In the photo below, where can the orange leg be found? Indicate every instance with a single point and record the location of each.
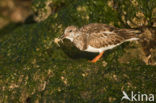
(97, 58)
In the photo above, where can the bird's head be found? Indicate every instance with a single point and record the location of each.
(70, 33)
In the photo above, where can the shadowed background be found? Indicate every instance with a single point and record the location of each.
(34, 69)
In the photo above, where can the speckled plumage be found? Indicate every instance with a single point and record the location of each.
(99, 36)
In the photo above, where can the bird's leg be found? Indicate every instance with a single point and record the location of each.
(97, 57)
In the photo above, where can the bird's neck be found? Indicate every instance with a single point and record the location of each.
(76, 34)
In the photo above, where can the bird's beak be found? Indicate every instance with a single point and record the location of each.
(62, 37)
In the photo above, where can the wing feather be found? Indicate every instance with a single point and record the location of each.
(102, 35)
(99, 40)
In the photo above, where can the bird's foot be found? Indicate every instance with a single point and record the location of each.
(92, 61)
(97, 58)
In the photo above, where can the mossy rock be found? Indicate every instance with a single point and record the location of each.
(34, 69)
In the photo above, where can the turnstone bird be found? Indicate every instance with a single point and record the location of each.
(98, 37)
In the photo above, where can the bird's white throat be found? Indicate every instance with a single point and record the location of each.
(71, 39)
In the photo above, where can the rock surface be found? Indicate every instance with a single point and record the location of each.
(33, 69)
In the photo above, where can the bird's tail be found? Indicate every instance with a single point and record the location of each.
(129, 33)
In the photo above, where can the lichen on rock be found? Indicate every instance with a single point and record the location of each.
(34, 69)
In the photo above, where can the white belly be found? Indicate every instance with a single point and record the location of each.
(95, 50)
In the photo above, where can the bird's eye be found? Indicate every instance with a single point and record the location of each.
(70, 31)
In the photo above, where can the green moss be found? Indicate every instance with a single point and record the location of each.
(33, 68)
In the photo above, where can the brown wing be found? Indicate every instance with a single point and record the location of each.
(99, 40)
(96, 27)
(128, 33)
(101, 35)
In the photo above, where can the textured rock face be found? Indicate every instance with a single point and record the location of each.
(34, 69)
(14, 11)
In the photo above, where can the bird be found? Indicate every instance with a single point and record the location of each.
(98, 37)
